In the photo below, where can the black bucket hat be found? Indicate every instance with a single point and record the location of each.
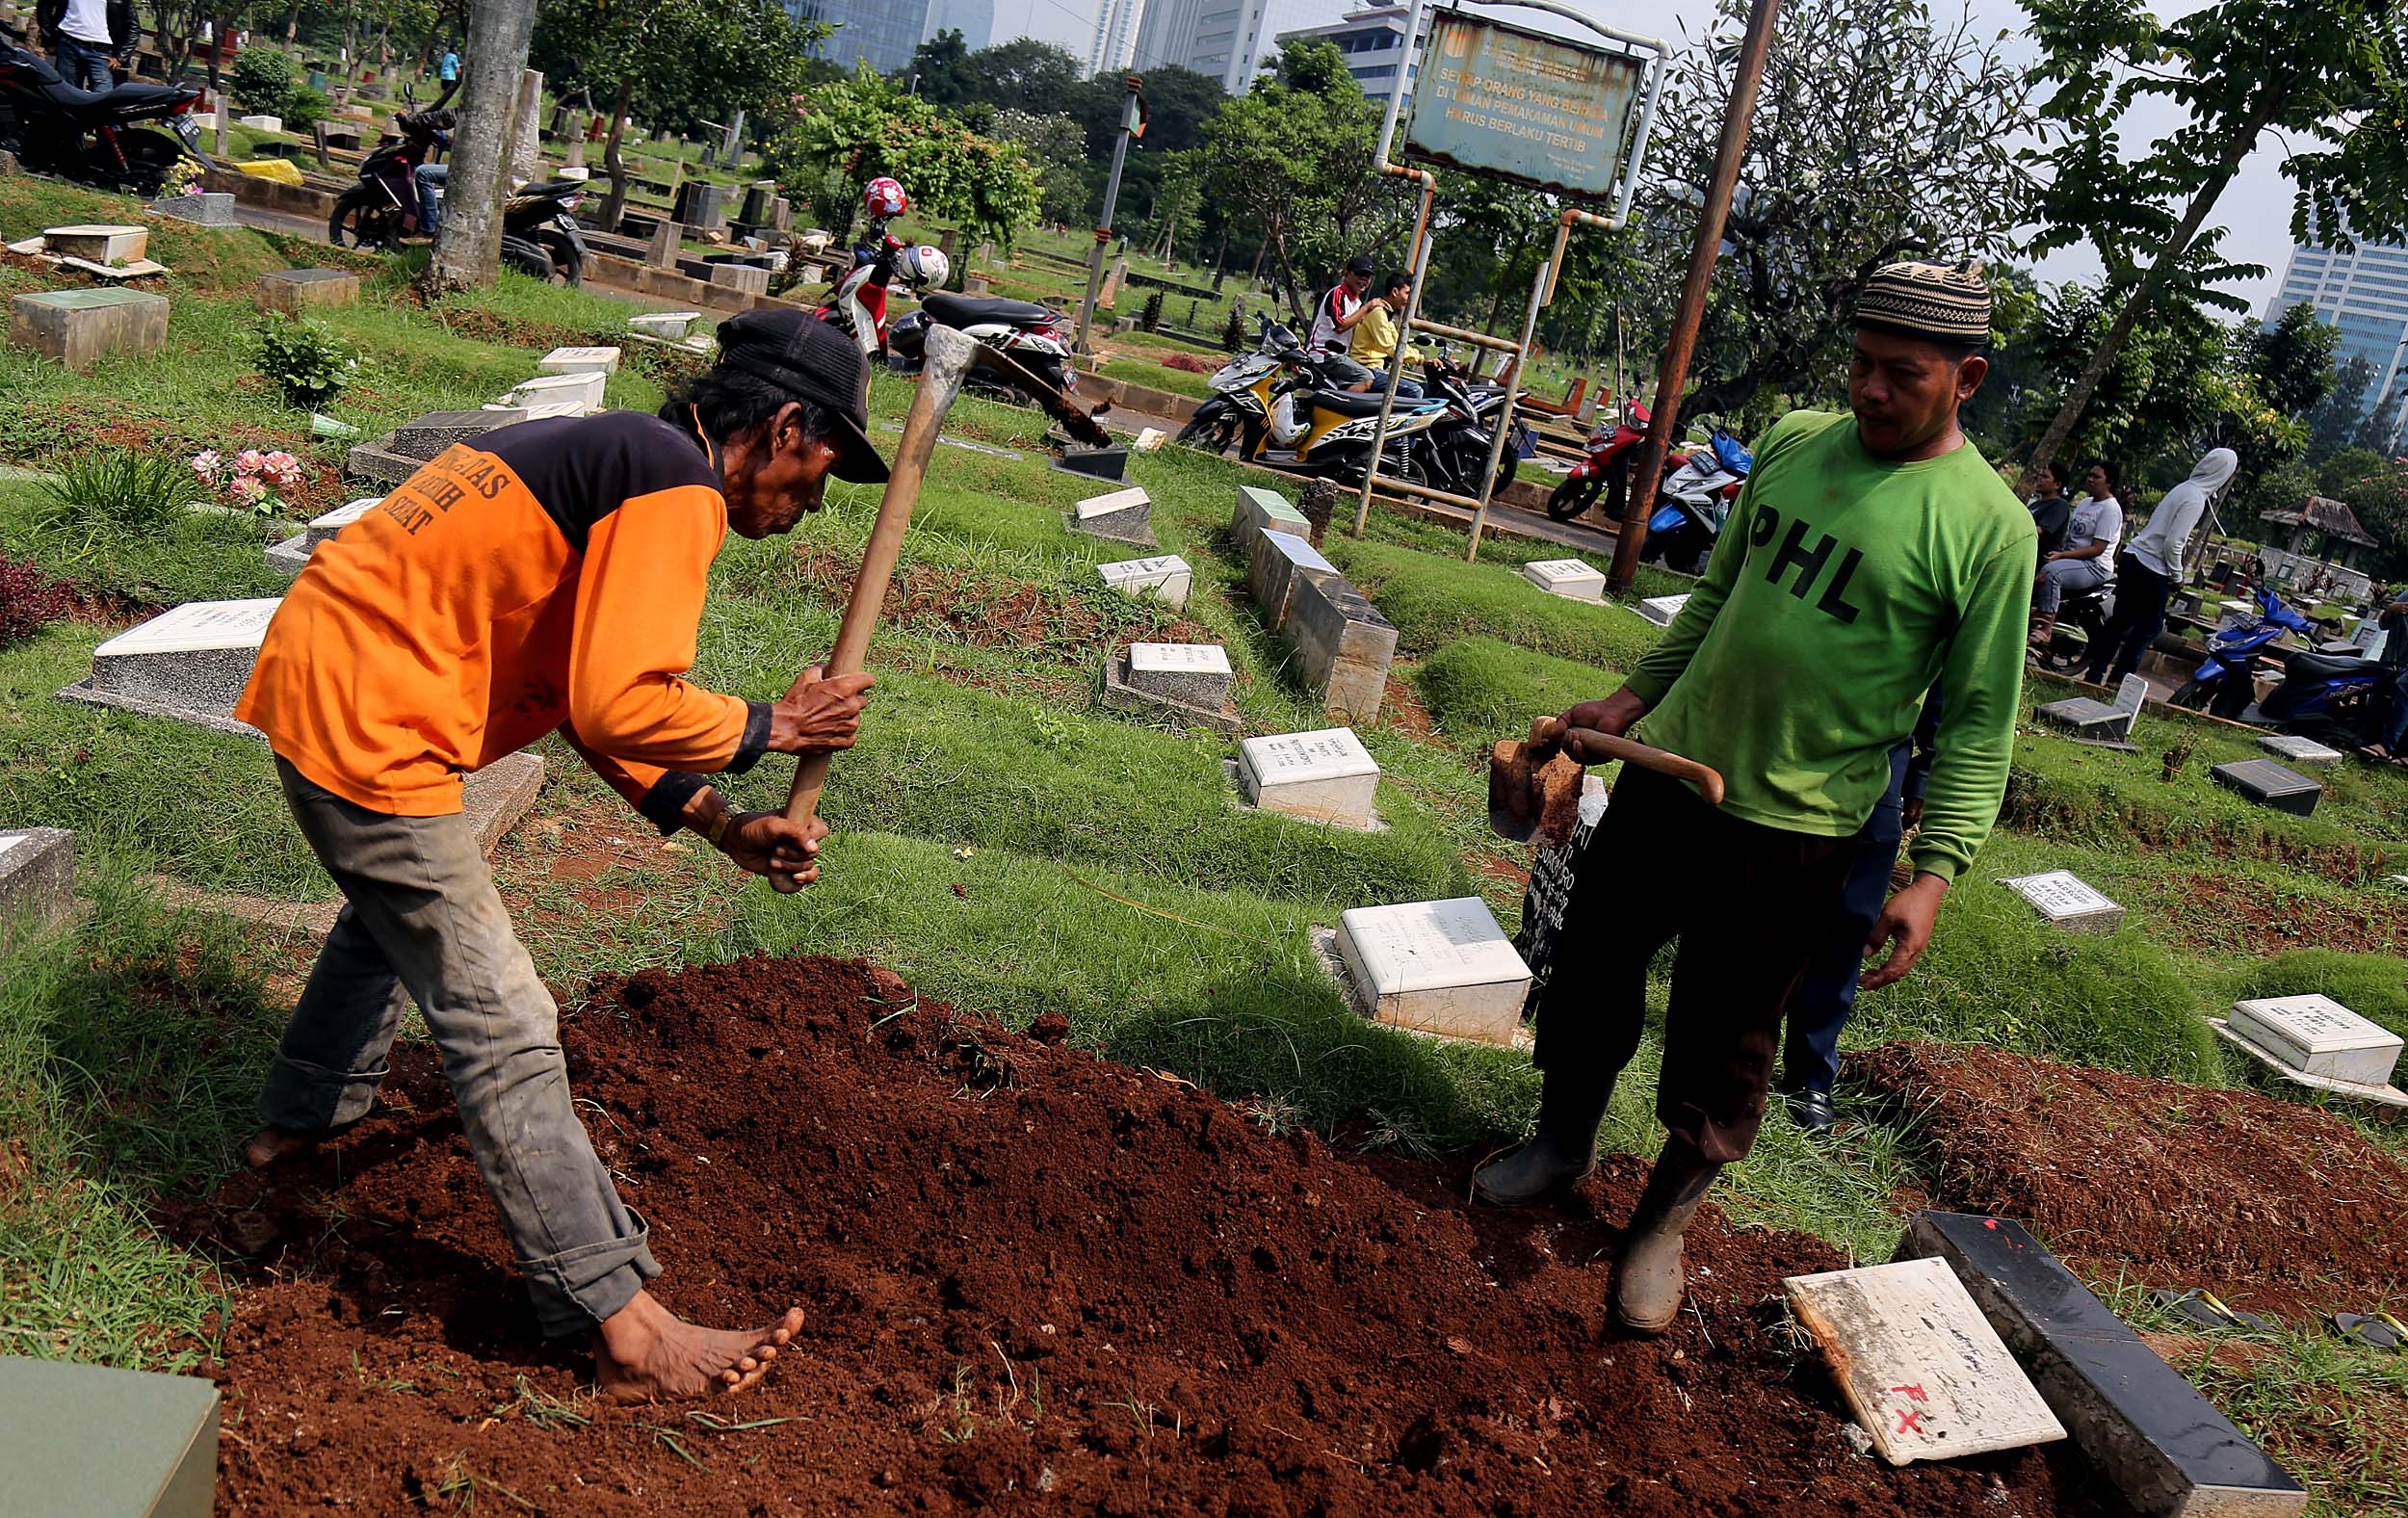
(815, 362)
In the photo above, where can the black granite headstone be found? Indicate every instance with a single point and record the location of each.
(1101, 464)
(2270, 784)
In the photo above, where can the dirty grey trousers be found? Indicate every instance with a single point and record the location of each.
(421, 919)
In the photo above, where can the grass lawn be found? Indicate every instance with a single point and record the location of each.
(1004, 843)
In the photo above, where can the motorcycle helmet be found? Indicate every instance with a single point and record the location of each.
(884, 198)
(923, 268)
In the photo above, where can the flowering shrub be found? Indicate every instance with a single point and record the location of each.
(182, 177)
(28, 599)
(256, 482)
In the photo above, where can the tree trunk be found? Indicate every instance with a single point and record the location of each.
(217, 82)
(1287, 275)
(292, 23)
(2194, 216)
(614, 205)
(498, 33)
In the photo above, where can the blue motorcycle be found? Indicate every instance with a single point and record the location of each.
(2334, 698)
(1694, 503)
(2222, 686)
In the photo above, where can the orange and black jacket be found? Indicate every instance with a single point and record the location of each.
(551, 576)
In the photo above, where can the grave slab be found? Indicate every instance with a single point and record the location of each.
(261, 124)
(583, 389)
(2144, 1428)
(2067, 902)
(2099, 721)
(1196, 673)
(298, 291)
(190, 660)
(668, 325)
(1568, 578)
(1097, 463)
(89, 1440)
(1277, 563)
(396, 457)
(1120, 695)
(201, 208)
(1327, 776)
(103, 243)
(1660, 610)
(36, 883)
(579, 360)
(1919, 1363)
(289, 557)
(1165, 577)
(2315, 1034)
(740, 278)
(80, 328)
(1258, 509)
(496, 797)
(2270, 784)
(1343, 646)
(1124, 517)
(2295, 750)
(1438, 967)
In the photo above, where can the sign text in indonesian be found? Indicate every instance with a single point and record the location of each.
(1543, 111)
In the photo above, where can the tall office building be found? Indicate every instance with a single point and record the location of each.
(2364, 294)
(1114, 46)
(883, 32)
(1371, 40)
(1222, 39)
(974, 19)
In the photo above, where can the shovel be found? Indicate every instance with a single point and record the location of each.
(951, 356)
(1535, 787)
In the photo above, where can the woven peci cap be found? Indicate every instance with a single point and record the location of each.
(1941, 303)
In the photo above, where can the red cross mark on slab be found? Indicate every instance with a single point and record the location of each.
(1909, 1422)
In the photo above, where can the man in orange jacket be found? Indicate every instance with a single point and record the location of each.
(548, 576)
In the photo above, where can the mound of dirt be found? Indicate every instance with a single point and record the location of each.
(2271, 1204)
(1036, 1281)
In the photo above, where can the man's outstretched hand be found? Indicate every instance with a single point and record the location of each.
(1905, 928)
(1612, 717)
(766, 843)
(821, 713)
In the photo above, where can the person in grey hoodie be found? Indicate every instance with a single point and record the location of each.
(2152, 564)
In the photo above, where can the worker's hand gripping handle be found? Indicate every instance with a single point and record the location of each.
(1592, 746)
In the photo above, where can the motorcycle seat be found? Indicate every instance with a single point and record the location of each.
(2329, 667)
(123, 96)
(552, 189)
(1349, 403)
(968, 310)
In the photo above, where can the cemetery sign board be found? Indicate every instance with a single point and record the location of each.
(1523, 106)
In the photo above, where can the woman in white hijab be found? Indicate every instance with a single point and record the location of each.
(2152, 564)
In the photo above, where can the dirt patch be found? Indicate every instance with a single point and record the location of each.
(1036, 1281)
(1401, 705)
(989, 610)
(2226, 914)
(2268, 1204)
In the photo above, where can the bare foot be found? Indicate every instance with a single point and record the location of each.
(271, 1143)
(644, 1353)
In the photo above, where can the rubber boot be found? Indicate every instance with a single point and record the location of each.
(1565, 1149)
(1650, 1277)
(2042, 629)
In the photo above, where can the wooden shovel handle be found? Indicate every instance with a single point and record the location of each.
(1600, 746)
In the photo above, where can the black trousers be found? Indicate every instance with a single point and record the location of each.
(1750, 905)
(2140, 597)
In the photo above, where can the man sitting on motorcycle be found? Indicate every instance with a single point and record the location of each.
(1341, 305)
(1870, 557)
(1376, 334)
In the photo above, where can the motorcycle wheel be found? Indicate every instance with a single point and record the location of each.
(1210, 431)
(359, 222)
(534, 264)
(149, 156)
(2192, 694)
(1572, 498)
(1507, 468)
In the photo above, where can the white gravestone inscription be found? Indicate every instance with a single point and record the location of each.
(1441, 967)
(2068, 902)
(1326, 775)
(2318, 1036)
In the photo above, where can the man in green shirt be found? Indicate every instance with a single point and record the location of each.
(1867, 557)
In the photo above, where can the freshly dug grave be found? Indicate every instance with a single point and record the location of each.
(1036, 1281)
(2269, 1204)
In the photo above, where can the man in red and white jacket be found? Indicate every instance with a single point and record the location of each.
(1341, 306)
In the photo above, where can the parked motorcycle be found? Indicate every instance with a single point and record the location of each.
(1028, 332)
(539, 233)
(2087, 609)
(53, 127)
(2222, 685)
(1242, 390)
(1612, 447)
(1694, 503)
(382, 208)
(859, 301)
(2340, 699)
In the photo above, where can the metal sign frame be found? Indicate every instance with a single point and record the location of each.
(1542, 286)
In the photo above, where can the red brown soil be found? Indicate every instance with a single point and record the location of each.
(2271, 1204)
(1036, 1281)
(2227, 914)
(997, 611)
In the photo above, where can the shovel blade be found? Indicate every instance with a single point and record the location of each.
(1534, 802)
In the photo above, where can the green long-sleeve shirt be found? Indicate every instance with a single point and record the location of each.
(1842, 589)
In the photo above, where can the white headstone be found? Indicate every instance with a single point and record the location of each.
(582, 390)
(193, 658)
(2299, 751)
(1440, 967)
(664, 325)
(1920, 1367)
(2132, 694)
(579, 360)
(2068, 902)
(1148, 439)
(1095, 506)
(1198, 674)
(1165, 577)
(103, 243)
(1663, 609)
(2370, 636)
(321, 528)
(1569, 578)
(261, 124)
(1326, 775)
(2318, 1036)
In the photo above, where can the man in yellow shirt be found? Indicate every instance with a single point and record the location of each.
(1376, 334)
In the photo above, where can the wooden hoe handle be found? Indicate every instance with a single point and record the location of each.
(1600, 746)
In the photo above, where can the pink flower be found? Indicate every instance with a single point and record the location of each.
(205, 463)
(248, 489)
(248, 461)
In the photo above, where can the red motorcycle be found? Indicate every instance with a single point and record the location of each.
(859, 301)
(1611, 448)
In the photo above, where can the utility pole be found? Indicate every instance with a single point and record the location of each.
(1648, 471)
(1131, 124)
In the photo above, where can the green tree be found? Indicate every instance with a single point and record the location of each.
(855, 131)
(1037, 77)
(1055, 147)
(2327, 75)
(2336, 419)
(2293, 358)
(944, 72)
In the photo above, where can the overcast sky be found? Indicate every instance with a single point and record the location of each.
(2256, 207)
